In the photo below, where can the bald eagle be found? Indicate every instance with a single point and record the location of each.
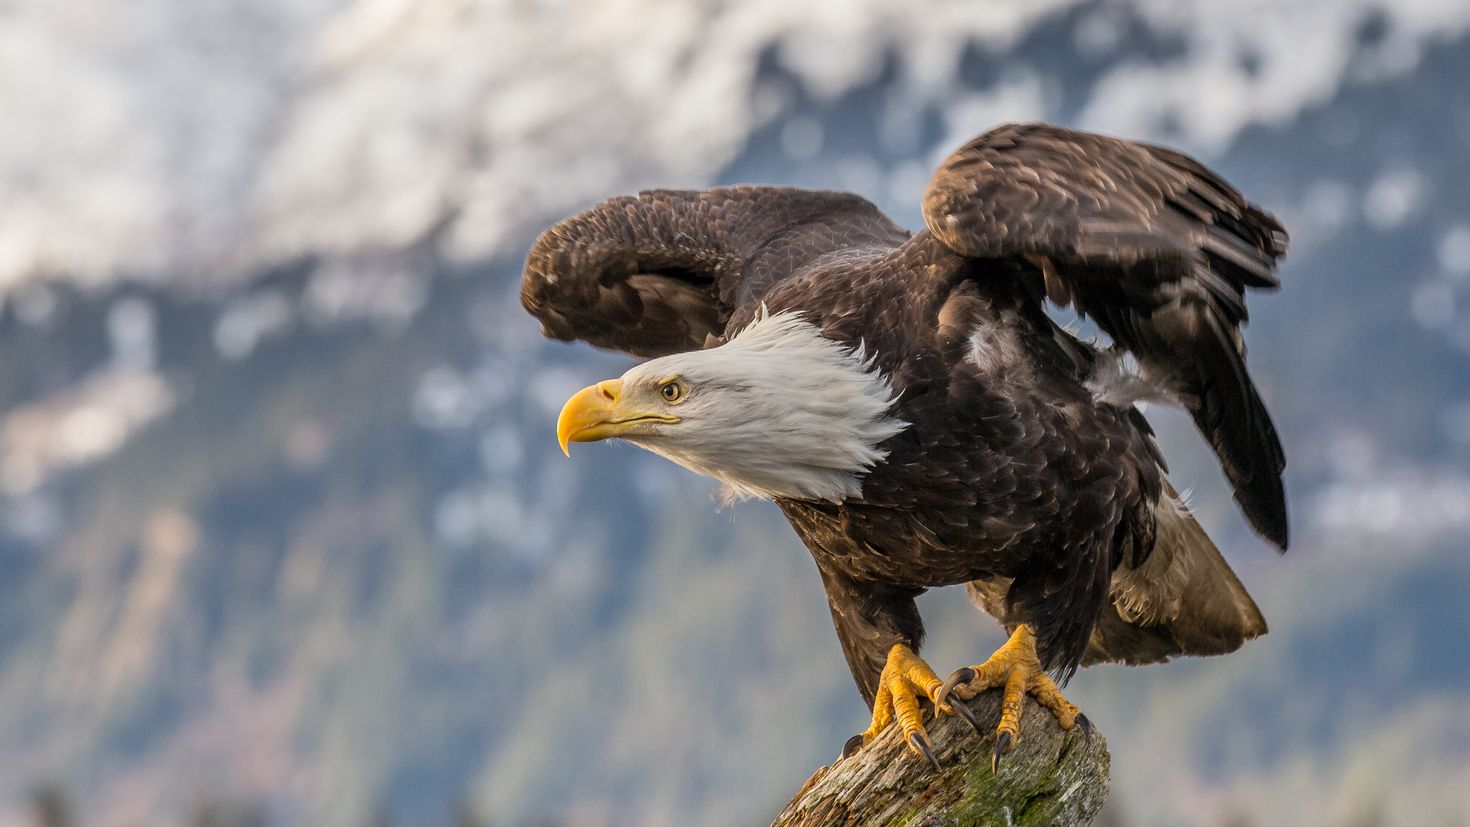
(921, 421)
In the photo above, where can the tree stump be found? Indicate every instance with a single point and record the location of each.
(1050, 778)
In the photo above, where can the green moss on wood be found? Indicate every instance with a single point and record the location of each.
(1050, 778)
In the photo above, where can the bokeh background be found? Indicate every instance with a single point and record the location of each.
(284, 534)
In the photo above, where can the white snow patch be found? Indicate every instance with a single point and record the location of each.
(77, 426)
(1393, 197)
(1454, 252)
(1411, 503)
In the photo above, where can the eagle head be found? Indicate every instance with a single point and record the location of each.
(779, 411)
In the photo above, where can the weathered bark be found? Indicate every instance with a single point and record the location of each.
(1050, 778)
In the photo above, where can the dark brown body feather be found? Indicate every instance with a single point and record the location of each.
(1013, 477)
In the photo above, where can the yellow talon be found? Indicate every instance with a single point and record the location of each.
(1015, 667)
(906, 678)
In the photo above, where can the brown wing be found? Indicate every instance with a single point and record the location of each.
(662, 271)
(1153, 246)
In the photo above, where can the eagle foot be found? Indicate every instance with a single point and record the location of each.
(1017, 669)
(906, 678)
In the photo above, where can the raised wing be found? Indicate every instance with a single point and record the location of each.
(662, 272)
(1153, 246)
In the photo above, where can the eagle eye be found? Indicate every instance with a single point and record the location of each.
(672, 392)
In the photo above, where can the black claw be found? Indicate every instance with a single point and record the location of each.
(1002, 740)
(853, 744)
(920, 743)
(963, 710)
(1086, 728)
(962, 675)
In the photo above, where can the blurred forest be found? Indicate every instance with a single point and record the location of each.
(285, 536)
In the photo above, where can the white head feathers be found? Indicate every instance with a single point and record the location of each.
(778, 411)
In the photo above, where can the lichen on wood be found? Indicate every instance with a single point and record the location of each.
(1051, 777)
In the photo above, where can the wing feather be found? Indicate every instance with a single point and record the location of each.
(1151, 244)
(663, 271)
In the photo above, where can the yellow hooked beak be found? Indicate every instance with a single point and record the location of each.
(600, 412)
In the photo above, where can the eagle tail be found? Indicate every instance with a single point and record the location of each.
(1182, 600)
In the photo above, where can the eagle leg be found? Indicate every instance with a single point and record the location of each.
(1017, 669)
(905, 679)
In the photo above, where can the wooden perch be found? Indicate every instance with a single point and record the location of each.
(1050, 778)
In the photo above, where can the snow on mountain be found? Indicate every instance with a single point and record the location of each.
(199, 143)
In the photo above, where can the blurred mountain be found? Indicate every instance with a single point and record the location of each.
(285, 521)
